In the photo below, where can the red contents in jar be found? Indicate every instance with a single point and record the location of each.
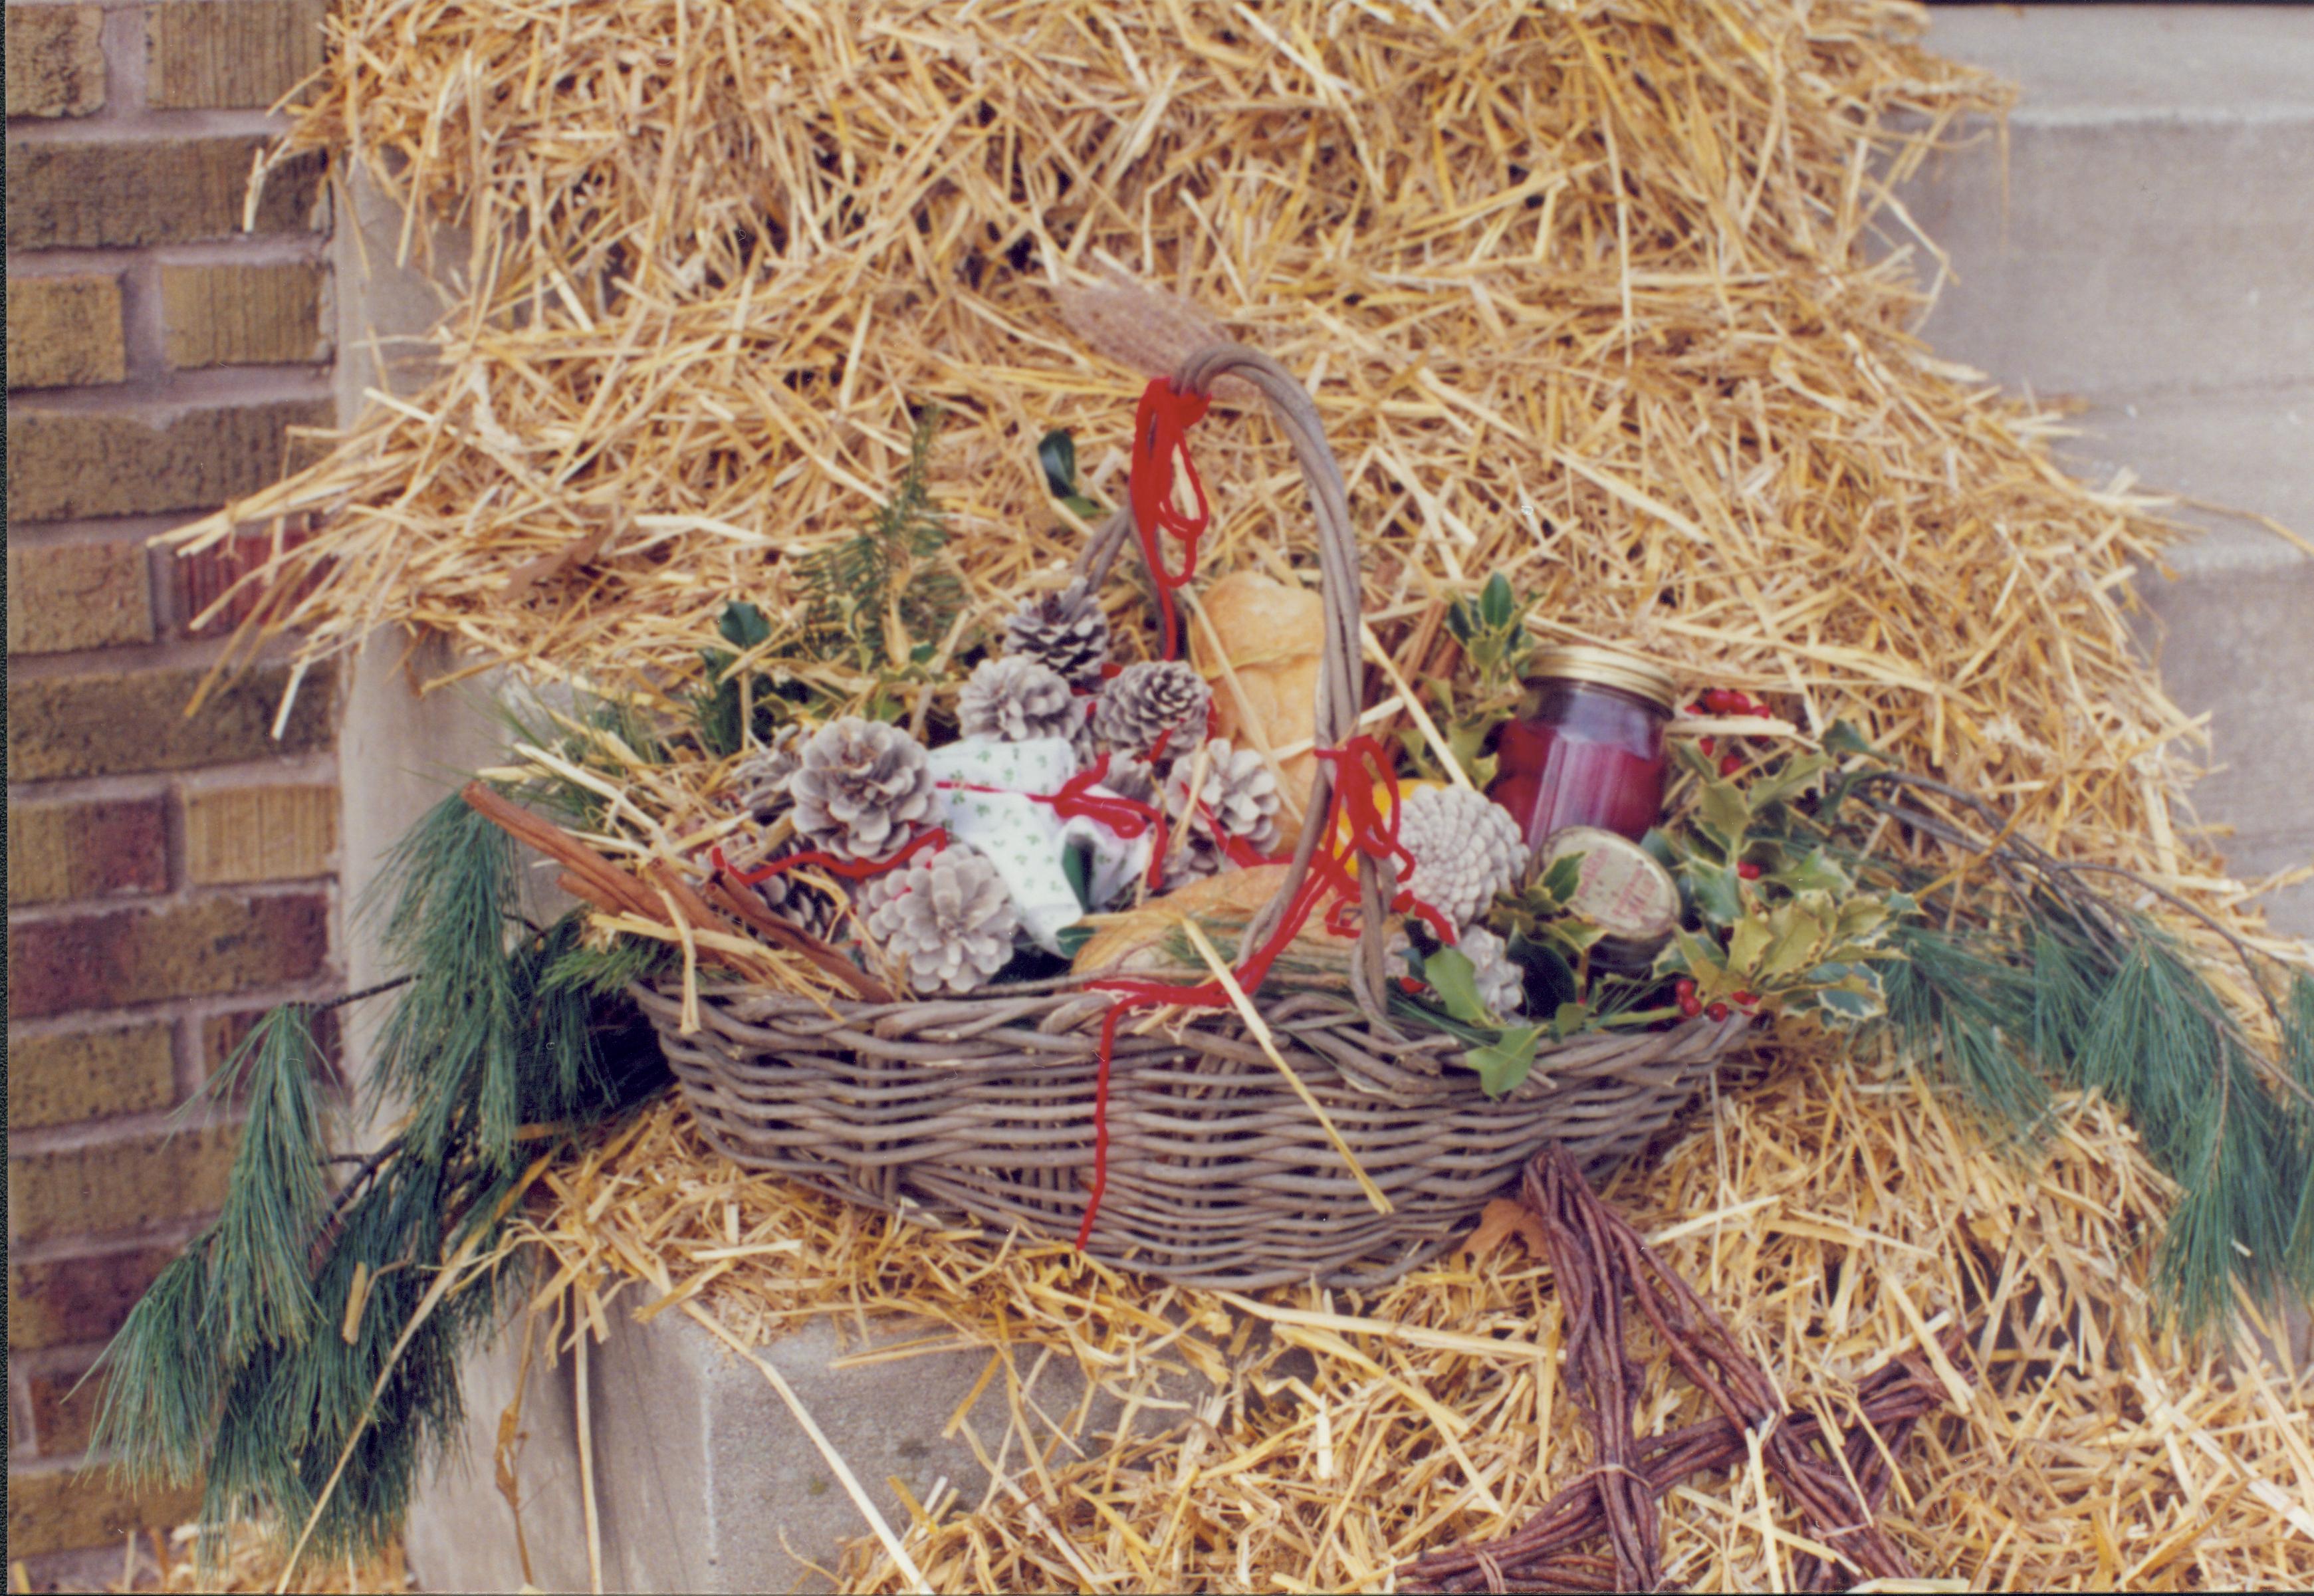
(1590, 755)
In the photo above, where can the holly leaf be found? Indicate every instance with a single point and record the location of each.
(1502, 1218)
(1565, 875)
(1814, 873)
(1725, 811)
(1072, 938)
(1505, 1063)
(1057, 452)
(1717, 897)
(1796, 934)
(1747, 942)
(1497, 604)
(1799, 772)
(1844, 739)
(743, 625)
(1450, 975)
(1569, 1018)
(1077, 864)
(1546, 963)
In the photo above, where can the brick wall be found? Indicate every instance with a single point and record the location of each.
(167, 878)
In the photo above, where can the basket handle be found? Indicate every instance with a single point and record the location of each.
(1337, 672)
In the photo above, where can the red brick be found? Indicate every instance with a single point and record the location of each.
(61, 1509)
(78, 595)
(141, 956)
(64, 850)
(126, 193)
(55, 63)
(61, 726)
(65, 1301)
(80, 1075)
(206, 54)
(62, 1408)
(222, 1034)
(275, 833)
(118, 1185)
(64, 332)
(68, 464)
(197, 581)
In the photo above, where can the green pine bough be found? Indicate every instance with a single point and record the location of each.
(300, 1360)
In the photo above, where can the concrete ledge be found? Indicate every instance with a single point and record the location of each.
(704, 1481)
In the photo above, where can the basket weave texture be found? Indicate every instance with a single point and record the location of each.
(1218, 1173)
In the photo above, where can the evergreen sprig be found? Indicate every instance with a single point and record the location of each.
(2069, 989)
(305, 1327)
(888, 570)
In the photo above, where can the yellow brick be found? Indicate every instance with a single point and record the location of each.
(259, 833)
(62, 1509)
(56, 63)
(242, 315)
(90, 1074)
(64, 332)
(78, 595)
(215, 53)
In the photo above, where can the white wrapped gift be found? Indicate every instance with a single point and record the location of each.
(984, 800)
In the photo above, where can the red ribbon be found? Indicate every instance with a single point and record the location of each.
(1160, 433)
(855, 869)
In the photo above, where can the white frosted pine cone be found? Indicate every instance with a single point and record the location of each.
(1502, 984)
(1134, 778)
(1238, 794)
(861, 786)
(1065, 632)
(1016, 698)
(946, 920)
(1144, 703)
(1466, 848)
(759, 782)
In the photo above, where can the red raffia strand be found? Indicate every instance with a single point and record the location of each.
(1595, 1259)
(1160, 429)
(854, 870)
(1369, 834)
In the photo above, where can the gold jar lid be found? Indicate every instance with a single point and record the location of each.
(1609, 667)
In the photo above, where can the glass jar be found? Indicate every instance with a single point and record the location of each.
(1592, 751)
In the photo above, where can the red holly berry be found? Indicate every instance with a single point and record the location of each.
(1720, 700)
(1748, 871)
(1745, 999)
(1409, 986)
(1690, 1006)
(1716, 1012)
(1699, 708)
(1752, 706)
(1683, 988)
(1729, 763)
(1709, 745)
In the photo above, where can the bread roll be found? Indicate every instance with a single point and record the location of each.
(1272, 637)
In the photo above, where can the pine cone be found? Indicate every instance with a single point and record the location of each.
(1466, 848)
(759, 782)
(1134, 778)
(795, 900)
(1146, 701)
(1017, 698)
(946, 921)
(1065, 632)
(861, 786)
(1239, 794)
(1502, 984)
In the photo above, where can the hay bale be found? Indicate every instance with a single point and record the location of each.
(1584, 294)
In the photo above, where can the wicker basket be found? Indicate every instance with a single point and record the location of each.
(1219, 1175)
